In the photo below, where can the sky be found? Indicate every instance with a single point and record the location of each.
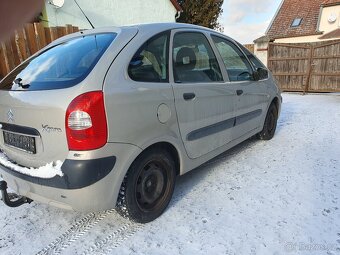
(247, 20)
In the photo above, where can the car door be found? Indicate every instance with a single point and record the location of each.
(252, 96)
(204, 104)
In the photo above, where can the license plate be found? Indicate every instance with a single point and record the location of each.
(21, 142)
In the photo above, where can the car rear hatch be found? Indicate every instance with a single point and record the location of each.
(35, 97)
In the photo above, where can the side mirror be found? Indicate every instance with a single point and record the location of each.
(261, 73)
(256, 76)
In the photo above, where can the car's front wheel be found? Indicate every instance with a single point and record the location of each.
(270, 123)
(148, 186)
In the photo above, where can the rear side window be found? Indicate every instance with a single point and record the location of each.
(61, 66)
(150, 62)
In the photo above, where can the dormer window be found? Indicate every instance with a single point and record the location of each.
(296, 22)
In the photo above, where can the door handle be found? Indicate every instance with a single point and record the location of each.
(189, 96)
(239, 92)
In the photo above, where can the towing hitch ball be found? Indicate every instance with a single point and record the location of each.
(8, 201)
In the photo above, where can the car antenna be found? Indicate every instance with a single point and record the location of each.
(84, 14)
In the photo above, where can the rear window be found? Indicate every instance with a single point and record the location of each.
(61, 66)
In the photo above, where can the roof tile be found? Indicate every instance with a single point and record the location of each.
(330, 2)
(308, 10)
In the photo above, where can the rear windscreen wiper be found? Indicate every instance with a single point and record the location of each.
(18, 81)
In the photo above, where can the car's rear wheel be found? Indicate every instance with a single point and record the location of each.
(148, 186)
(270, 124)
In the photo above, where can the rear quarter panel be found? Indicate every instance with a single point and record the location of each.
(131, 106)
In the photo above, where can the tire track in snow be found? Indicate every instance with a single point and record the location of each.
(77, 230)
(114, 240)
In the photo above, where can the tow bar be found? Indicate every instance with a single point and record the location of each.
(7, 200)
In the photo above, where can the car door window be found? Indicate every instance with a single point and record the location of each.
(258, 65)
(194, 60)
(150, 63)
(236, 64)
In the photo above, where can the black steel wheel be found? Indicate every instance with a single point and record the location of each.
(270, 124)
(148, 187)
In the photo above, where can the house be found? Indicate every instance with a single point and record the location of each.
(301, 21)
(108, 12)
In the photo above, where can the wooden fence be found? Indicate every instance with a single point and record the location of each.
(27, 41)
(311, 67)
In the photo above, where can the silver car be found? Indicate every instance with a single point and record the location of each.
(109, 117)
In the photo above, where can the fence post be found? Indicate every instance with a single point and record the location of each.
(61, 31)
(39, 30)
(69, 29)
(310, 69)
(31, 38)
(3, 66)
(50, 34)
(22, 45)
(10, 58)
(16, 57)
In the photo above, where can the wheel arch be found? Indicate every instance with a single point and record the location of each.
(276, 101)
(169, 147)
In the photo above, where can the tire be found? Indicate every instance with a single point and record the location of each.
(148, 186)
(270, 124)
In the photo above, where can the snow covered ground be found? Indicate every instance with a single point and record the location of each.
(262, 197)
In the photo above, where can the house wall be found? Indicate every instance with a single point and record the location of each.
(110, 12)
(261, 51)
(299, 39)
(302, 39)
(325, 26)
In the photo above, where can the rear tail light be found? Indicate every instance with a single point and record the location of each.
(79, 120)
(86, 126)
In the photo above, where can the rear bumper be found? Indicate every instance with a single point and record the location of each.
(87, 184)
(77, 173)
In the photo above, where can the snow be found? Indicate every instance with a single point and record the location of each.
(262, 197)
(48, 171)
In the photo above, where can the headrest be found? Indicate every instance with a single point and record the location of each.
(186, 58)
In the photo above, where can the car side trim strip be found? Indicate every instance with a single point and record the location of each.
(212, 129)
(223, 125)
(248, 116)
